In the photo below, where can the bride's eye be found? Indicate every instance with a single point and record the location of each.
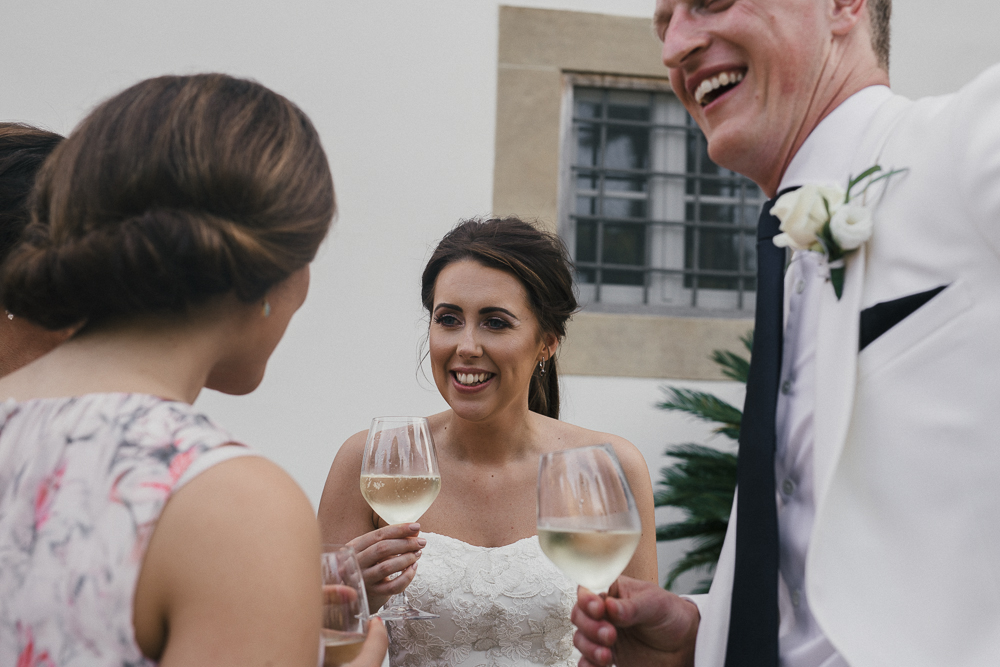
(497, 323)
(447, 320)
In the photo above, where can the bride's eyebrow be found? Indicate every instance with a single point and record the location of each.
(448, 306)
(496, 309)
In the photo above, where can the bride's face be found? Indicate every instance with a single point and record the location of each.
(485, 341)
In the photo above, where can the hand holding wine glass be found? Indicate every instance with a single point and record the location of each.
(400, 480)
(345, 605)
(588, 523)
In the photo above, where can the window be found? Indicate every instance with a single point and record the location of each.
(653, 224)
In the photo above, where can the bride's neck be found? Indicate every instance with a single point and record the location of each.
(501, 439)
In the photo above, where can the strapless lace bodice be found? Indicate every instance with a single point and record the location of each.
(499, 606)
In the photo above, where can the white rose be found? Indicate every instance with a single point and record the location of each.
(851, 226)
(802, 214)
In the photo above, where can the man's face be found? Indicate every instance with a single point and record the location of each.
(749, 72)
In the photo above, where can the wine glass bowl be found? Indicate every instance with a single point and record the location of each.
(345, 605)
(399, 481)
(588, 523)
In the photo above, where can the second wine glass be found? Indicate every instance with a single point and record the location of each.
(399, 480)
(588, 523)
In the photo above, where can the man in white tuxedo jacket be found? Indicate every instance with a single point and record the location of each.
(887, 451)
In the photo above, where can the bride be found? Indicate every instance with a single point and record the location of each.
(499, 293)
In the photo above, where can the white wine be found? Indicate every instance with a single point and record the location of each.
(591, 558)
(400, 499)
(340, 647)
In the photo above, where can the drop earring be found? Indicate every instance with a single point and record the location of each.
(266, 310)
(541, 368)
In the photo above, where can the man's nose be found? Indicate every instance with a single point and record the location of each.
(683, 37)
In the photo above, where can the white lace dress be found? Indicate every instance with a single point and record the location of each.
(499, 606)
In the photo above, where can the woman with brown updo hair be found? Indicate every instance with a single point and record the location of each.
(499, 293)
(174, 229)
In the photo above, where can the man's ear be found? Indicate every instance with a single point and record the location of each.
(845, 15)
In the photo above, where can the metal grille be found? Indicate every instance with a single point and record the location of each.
(654, 222)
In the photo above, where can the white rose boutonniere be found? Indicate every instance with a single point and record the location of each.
(828, 220)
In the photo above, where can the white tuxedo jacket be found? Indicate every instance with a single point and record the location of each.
(903, 565)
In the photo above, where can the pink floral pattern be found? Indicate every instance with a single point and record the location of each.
(82, 483)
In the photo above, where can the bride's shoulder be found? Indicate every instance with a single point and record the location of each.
(567, 436)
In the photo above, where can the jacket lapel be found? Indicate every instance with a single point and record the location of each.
(836, 371)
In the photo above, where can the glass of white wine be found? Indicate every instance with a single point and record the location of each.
(400, 479)
(588, 524)
(345, 605)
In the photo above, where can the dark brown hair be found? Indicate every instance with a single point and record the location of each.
(538, 259)
(879, 12)
(178, 189)
(23, 148)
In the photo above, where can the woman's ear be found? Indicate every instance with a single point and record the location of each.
(551, 343)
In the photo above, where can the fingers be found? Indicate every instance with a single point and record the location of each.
(388, 587)
(395, 531)
(338, 594)
(593, 654)
(377, 643)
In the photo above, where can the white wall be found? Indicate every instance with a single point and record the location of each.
(403, 94)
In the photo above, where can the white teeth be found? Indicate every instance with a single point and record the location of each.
(708, 85)
(471, 378)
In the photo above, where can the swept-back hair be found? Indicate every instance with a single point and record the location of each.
(175, 190)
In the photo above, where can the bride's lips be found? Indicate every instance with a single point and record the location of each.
(471, 380)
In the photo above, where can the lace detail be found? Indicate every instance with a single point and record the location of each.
(499, 606)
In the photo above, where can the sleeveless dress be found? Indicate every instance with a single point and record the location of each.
(499, 606)
(82, 483)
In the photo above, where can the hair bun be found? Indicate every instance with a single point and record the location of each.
(176, 190)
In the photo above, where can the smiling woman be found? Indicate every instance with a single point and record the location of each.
(499, 293)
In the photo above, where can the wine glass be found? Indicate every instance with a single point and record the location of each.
(400, 480)
(345, 605)
(588, 524)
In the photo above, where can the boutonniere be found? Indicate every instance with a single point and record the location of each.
(829, 220)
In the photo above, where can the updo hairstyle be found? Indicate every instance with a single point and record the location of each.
(23, 149)
(535, 257)
(176, 190)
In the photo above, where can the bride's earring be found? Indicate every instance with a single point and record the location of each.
(541, 368)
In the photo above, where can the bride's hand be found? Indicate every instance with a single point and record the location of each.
(384, 552)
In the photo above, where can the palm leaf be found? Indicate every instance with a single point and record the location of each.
(702, 481)
(704, 406)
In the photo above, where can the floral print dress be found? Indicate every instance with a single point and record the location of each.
(82, 483)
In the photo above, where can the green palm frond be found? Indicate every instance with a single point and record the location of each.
(702, 481)
(704, 406)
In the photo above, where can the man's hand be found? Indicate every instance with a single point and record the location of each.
(638, 624)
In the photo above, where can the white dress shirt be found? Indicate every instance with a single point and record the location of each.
(823, 159)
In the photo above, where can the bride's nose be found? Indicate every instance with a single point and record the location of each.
(468, 344)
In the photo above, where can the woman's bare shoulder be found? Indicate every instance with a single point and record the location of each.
(563, 435)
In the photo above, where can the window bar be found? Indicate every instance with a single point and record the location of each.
(696, 226)
(599, 246)
(647, 228)
(741, 246)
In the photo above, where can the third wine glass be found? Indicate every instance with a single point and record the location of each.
(588, 523)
